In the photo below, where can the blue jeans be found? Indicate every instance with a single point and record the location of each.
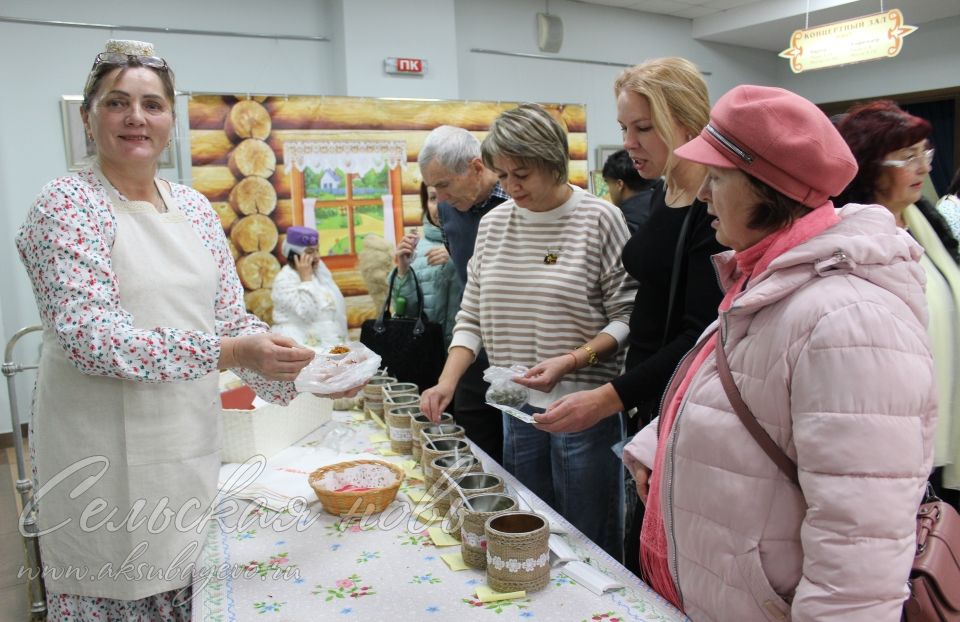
(575, 473)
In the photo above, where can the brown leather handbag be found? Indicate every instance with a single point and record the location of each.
(935, 575)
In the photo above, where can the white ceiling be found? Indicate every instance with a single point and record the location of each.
(768, 24)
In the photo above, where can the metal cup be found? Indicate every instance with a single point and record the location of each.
(473, 538)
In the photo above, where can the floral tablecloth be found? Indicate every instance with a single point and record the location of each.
(308, 565)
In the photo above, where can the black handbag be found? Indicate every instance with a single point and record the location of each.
(410, 348)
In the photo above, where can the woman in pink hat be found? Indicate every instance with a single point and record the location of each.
(823, 318)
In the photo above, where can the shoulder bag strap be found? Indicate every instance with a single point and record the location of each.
(378, 326)
(675, 272)
(420, 327)
(767, 444)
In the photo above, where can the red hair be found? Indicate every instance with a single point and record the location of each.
(872, 131)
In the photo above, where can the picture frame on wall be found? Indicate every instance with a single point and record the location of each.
(598, 185)
(80, 149)
(603, 152)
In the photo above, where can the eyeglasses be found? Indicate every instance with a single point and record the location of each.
(923, 159)
(116, 58)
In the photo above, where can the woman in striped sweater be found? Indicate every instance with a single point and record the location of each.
(546, 289)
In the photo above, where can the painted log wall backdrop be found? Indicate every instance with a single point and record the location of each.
(236, 147)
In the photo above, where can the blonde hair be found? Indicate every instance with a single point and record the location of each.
(531, 137)
(676, 93)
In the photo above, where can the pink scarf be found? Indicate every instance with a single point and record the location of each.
(754, 260)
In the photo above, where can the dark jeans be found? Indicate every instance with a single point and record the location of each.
(484, 425)
(576, 473)
(633, 508)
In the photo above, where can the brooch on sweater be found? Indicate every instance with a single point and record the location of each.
(553, 254)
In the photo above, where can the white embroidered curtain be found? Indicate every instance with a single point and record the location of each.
(350, 156)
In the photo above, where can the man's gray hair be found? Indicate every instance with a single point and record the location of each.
(454, 147)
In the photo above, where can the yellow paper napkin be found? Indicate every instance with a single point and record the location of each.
(379, 437)
(455, 561)
(428, 516)
(386, 451)
(377, 419)
(418, 496)
(441, 537)
(486, 595)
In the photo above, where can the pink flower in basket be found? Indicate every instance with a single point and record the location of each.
(345, 583)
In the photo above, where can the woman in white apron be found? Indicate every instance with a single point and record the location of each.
(140, 305)
(307, 304)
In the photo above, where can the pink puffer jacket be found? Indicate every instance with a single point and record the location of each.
(829, 349)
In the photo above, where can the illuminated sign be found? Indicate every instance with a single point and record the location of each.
(851, 41)
(408, 66)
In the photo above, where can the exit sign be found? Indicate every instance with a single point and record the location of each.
(405, 66)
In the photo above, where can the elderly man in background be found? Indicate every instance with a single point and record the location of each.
(466, 189)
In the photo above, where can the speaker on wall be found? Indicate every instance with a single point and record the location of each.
(549, 32)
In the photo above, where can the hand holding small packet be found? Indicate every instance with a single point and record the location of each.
(339, 371)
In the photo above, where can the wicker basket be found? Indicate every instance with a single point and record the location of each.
(518, 554)
(417, 424)
(382, 480)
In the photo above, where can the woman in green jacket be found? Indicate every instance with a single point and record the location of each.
(428, 257)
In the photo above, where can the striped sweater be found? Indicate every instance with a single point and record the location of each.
(524, 310)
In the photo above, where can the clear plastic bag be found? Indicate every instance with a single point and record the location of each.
(329, 373)
(503, 390)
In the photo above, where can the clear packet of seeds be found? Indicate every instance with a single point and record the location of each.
(503, 390)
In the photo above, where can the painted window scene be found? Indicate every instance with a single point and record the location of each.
(346, 166)
(346, 206)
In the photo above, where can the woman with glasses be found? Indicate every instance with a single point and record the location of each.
(140, 305)
(894, 156)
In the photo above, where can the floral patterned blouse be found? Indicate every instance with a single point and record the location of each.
(65, 245)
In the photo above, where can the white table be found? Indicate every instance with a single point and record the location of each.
(314, 566)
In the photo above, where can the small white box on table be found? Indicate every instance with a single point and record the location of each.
(269, 428)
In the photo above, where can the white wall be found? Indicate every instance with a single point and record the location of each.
(377, 29)
(590, 32)
(930, 59)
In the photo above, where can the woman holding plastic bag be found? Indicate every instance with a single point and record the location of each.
(560, 307)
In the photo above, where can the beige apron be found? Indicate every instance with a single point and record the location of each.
(160, 440)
